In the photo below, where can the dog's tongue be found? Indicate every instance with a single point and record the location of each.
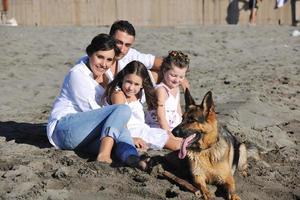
(184, 144)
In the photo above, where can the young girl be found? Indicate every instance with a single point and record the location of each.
(167, 114)
(127, 88)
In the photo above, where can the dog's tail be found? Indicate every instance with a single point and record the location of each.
(242, 162)
(251, 151)
(242, 152)
(239, 153)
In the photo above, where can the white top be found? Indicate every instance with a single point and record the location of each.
(133, 54)
(137, 118)
(156, 138)
(171, 109)
(74, 96)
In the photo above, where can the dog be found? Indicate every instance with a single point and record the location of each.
(213, 153)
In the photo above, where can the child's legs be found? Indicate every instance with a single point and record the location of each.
(155, 138)
(173, 143)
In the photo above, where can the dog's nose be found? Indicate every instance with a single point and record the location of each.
(176, 131)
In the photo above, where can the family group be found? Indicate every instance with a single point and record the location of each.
(117, 100)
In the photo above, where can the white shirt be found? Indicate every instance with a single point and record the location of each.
(79, 93)
(155, 138)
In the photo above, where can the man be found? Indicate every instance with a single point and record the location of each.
(253, 6)
(124, 34)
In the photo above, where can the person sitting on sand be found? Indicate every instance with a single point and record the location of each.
(127, 88)
(167, 114)
(78, 122)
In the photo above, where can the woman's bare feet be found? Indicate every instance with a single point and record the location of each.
(104, 158)
(105, 150)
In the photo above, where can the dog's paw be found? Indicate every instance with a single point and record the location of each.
(245, 173)
(207, 196)
(235, 197)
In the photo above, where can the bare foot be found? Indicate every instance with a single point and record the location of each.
(103, 158)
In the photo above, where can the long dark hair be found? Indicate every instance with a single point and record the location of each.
(139, 69)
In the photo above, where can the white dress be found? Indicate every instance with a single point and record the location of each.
(171, 107)
(156, 138)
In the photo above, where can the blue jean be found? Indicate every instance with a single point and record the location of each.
(83, 131)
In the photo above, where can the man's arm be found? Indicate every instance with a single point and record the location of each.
(157, 64)
(155, 69)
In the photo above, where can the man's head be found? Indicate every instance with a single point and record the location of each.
(124, 34)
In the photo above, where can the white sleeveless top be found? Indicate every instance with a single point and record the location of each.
(137, 118)
(171, 107)
(156, 138)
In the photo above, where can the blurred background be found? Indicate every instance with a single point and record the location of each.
(148, 12)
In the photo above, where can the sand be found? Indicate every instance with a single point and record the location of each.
(253, 72)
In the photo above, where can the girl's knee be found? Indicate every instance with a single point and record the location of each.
(173, 144)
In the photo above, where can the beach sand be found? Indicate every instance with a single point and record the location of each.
(253, 72)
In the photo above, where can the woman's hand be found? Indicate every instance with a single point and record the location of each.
(140, 143)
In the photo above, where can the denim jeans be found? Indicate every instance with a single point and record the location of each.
(83, 131)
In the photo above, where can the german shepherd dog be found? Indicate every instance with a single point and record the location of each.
(213, 153)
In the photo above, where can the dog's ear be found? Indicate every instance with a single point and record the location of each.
(208, 104)
(189, 101)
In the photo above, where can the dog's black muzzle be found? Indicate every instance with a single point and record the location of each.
(184, 133)
(178, 132)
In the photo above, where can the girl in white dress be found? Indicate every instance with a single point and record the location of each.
(127, 88)
(167, 112)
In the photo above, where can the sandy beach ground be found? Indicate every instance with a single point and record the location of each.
(253, 72)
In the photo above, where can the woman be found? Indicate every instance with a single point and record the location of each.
(77, 121)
